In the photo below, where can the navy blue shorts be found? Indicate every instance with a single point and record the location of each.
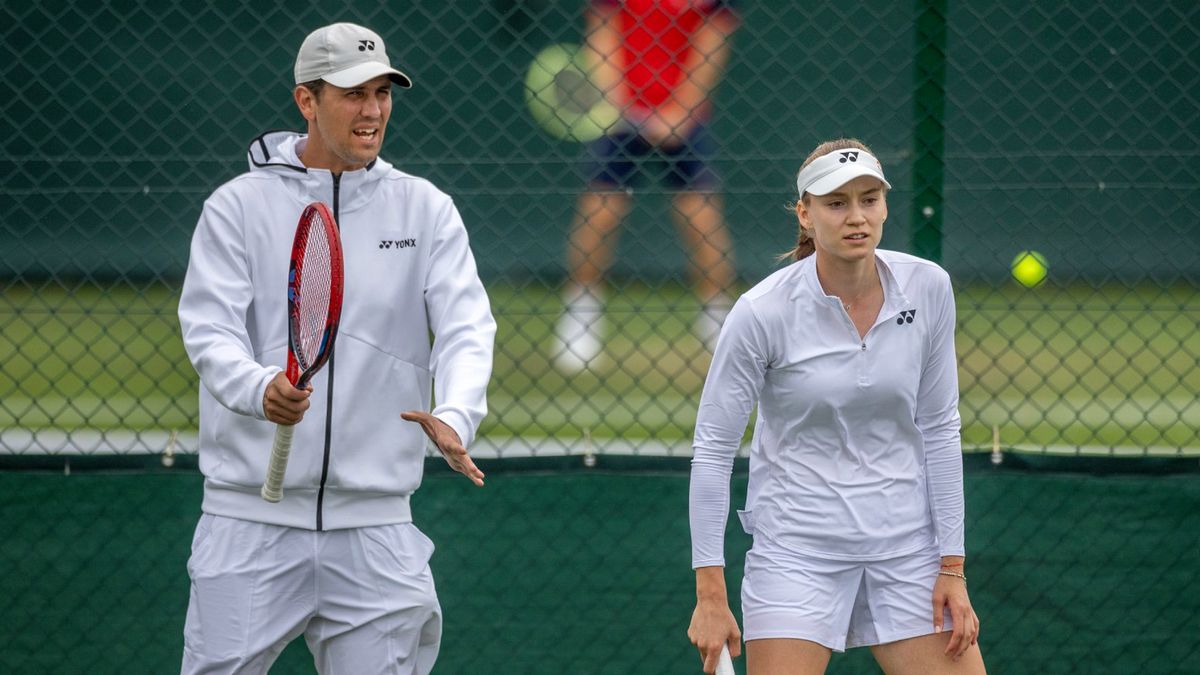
(622, 159)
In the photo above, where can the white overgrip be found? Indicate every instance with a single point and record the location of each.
(725, 662)
(272, 489)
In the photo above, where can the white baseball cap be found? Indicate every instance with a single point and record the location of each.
(833, 170)
(345, 55)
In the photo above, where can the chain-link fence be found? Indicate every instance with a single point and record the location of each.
(1066, 129)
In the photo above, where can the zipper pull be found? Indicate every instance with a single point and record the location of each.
(864, 346)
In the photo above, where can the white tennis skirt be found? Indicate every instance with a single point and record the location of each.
(838, 604)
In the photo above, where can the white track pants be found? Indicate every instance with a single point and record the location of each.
(363, 598)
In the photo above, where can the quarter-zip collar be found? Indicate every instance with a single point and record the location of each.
(894, 299)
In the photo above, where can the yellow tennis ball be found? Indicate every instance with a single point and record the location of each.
(1029, 268)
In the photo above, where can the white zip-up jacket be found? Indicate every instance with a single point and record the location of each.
(856, 453)
(409, 272)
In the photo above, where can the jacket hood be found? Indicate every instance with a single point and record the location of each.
(278, 153)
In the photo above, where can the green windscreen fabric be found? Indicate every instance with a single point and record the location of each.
(588, 571)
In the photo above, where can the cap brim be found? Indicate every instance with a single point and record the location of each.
(843, 175)
(363, 72)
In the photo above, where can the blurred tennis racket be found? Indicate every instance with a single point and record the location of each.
(562, 98)
(314, 307)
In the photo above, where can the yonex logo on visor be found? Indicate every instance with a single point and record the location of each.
(833, 170)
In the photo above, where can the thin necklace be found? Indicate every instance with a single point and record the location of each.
(849, 304)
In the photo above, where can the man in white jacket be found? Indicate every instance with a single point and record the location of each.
(339, 559)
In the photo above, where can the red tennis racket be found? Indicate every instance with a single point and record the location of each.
(314, 308)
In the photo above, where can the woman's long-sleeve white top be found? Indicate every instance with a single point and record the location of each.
(856, 453)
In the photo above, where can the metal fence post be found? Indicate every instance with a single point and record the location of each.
(929, 101)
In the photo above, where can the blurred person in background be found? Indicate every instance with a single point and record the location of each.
(658, 62)
(855, 497)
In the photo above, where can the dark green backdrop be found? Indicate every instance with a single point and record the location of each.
(1069, 128)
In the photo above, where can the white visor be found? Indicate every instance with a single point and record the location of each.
(829, 172)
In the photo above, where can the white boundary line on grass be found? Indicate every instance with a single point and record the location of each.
(91, 442)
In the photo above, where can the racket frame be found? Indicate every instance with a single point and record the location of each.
(299, 372)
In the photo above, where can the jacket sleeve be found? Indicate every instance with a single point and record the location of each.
(731, 392)
(939, 423)
(464, 331)
(216, 295)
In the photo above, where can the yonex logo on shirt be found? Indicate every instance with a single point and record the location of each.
(906, 316)
(849, 155)
(397, 243)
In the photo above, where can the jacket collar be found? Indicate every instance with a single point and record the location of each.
(894, 299)
(278, 153)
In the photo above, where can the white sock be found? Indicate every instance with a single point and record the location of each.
(578, 337)
(718, 308)
(584, 303)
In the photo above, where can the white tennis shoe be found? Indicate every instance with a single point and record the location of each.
(579, 335)
(707, 327)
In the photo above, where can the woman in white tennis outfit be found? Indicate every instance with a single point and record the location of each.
(855, 497)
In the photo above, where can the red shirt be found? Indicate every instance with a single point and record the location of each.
(656, 44)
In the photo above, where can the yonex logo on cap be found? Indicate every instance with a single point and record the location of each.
(345, 55)
(836, 168)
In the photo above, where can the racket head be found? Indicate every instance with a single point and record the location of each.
(562, 98)
(315, 284)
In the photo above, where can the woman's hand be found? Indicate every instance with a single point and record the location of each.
(950, 593)
(713, 625)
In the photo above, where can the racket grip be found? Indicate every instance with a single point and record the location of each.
(725, 662)
(272, 489)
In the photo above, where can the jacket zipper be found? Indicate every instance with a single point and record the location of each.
(328, 390)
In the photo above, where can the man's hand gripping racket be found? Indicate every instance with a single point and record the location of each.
(314, 291)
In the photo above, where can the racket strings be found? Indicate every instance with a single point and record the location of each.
(313, 294)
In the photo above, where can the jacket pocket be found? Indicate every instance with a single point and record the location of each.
(237, 447)
(372, 449)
